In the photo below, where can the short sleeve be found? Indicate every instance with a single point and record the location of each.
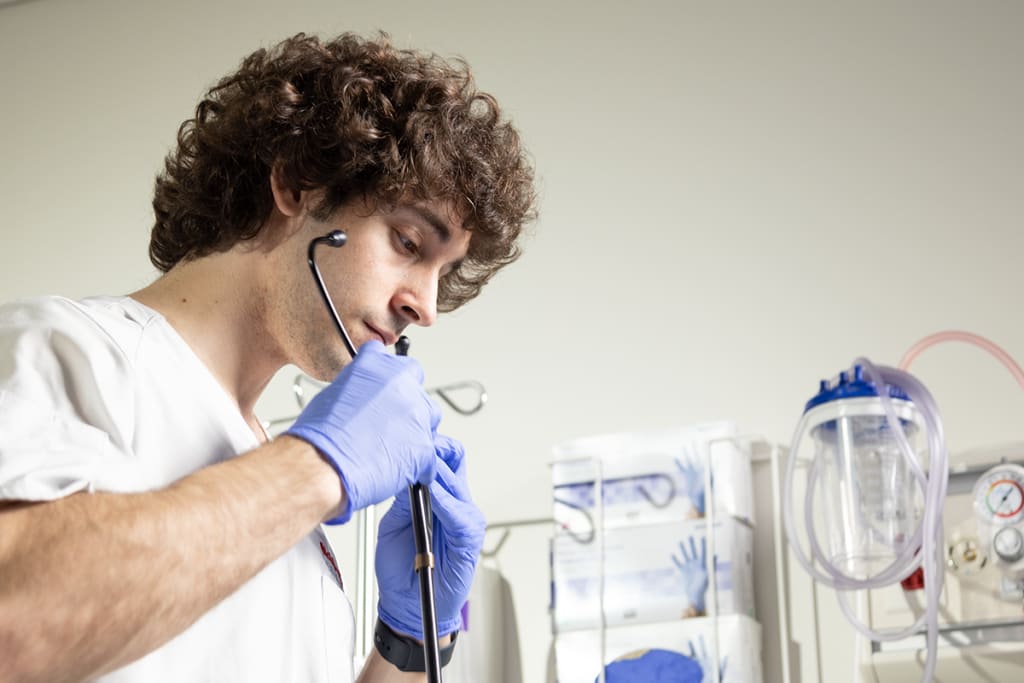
(66, 403)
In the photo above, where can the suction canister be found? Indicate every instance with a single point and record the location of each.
(866, 504)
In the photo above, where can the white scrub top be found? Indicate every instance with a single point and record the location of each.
(103, 395)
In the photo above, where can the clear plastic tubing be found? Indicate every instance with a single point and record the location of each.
(928, 536)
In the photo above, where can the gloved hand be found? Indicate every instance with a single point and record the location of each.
(707, 663)
(692, 471)
(458, 535)
(694, 571)
(375, 425)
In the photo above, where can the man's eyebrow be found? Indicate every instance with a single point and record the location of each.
(440, 227)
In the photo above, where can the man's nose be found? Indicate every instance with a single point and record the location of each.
(417, 300)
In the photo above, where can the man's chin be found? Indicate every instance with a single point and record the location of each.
(326, 369)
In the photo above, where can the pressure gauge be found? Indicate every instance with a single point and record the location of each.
(999, 495)
(1008, 544)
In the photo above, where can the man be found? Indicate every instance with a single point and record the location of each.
(149, 529)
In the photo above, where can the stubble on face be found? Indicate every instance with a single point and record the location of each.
(311, 341)
(317, 340)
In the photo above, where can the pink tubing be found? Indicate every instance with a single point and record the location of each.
(970, 338)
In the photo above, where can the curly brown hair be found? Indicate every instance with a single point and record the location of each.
(355, 117)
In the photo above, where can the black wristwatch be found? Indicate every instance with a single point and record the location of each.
(405, 653)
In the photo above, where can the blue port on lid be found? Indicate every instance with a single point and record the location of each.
(846, 387)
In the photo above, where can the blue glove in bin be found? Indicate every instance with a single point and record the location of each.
(653, 666)
(694, 572)
(692, 470)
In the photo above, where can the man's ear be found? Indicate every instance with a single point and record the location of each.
(287, 200)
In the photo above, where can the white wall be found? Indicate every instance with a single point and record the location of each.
(737, 200)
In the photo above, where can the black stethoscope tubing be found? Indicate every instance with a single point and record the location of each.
(418, 499)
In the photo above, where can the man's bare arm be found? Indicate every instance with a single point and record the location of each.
(92, 582)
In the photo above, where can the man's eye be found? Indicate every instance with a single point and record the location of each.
(407, 244)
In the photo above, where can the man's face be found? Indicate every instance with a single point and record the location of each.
(384, 278)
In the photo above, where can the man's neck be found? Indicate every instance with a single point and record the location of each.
(215, 304)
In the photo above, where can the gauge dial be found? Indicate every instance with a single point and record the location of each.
(999, 495)
(1009, 544)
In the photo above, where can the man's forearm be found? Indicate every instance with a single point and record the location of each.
(94, 581)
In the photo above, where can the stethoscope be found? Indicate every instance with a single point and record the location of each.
(420, 501)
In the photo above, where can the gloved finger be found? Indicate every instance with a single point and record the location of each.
(450, 469)
(682, 551)
(448, 480)
(394, 527)
(401, 507)
(372, 346)
(435, 410)
(452, 452)
(445, 449)
(408, 365)
(413, 372)
(693, 548)
(399, 517)
(461, 522)
(453, 507)
(426, 474)
(401, 504)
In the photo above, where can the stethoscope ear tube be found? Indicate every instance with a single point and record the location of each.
(334, 238)
(419, 499)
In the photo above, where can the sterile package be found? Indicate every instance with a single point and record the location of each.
(674, 652)
(651, 477)
(656, 572)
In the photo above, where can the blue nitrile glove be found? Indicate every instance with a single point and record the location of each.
(701, 656)
(694, 571)
(375, 425)
(692, 470)
(653, 666)
(458, 535)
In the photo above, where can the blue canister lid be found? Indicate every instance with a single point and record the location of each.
(846, 386)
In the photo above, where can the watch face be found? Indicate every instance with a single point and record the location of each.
(999, 495)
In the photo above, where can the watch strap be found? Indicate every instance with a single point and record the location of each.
(404, 652)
